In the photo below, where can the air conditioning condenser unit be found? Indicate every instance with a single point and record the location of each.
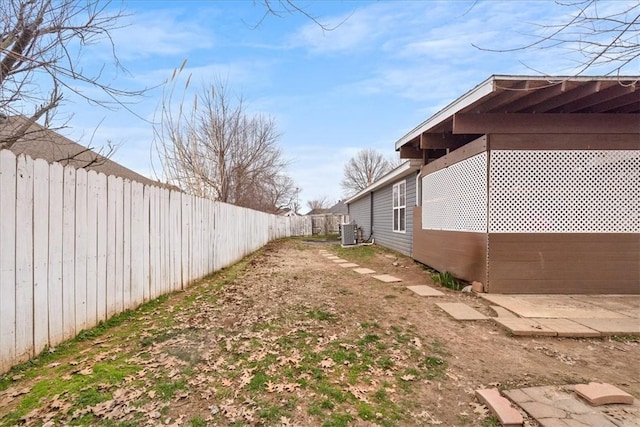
(349, 233)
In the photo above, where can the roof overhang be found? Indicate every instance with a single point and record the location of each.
(530, 95)
(405, 169)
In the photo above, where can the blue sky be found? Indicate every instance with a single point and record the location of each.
(385, 69)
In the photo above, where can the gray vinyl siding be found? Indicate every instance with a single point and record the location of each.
(383, 217)
(360, 212)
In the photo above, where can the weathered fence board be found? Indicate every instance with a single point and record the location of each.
(77, 247)
(24, 258)
(40, 255)
(7, 259)
(80, 288)
(56, 225)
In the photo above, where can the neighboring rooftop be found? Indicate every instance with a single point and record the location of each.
(41, 143)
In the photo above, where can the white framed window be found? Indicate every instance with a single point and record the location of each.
(400, 206)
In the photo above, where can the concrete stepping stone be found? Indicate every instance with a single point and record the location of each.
(425, 291)
(501, 407)
(363, 270)
(524, 327)
(617, 326)
(461, 311)
(597, 394)
(568, 328)
(503, 312)
(333, 257)
(339, 261)
(386, 278)
(348, 265)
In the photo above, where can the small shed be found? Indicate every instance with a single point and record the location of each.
(532, 185)
(383, 211)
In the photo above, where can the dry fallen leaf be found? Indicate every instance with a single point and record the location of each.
(327, 363)
(408, 377)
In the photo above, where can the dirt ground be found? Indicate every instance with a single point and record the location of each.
(290, 338)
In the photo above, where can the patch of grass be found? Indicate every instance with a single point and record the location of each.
(338, 420)
(365, 411)
(330, 390)
(271, 413)
(434, 366)
(492, 421)
(197, 422)
(321, 315)
(369, 325)
(355, 253)
(447, 280)
(367, 339)
(167, 388)
(258, 381)
(626, 338)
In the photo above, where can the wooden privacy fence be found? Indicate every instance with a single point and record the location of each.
(77, 247)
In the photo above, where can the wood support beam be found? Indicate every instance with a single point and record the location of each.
(546, 123)
(410, 152)
(429, 141)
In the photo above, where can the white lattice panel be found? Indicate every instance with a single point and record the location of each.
(455, 198)
(558, 191)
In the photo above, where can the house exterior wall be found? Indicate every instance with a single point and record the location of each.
(383, 217)
(462, 254)
(360, 212)
(535, 216)
(561, 220)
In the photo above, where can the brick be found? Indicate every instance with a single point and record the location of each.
(477, 287)
(597, 394)
(501, 407)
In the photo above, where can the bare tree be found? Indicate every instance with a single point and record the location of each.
(41, 44)
(603, 34)
(279, 8)
(321, 202)
(211, 147)
(362, 170)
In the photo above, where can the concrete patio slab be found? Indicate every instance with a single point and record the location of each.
(619, 326)
(551, 306)
(524, 327)
(348, 265)
(461, 311)
(568, 328)
(386, 278)
(553, 406)
(425, 291)
(628, 305)
(503, 312)
(363, 270)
